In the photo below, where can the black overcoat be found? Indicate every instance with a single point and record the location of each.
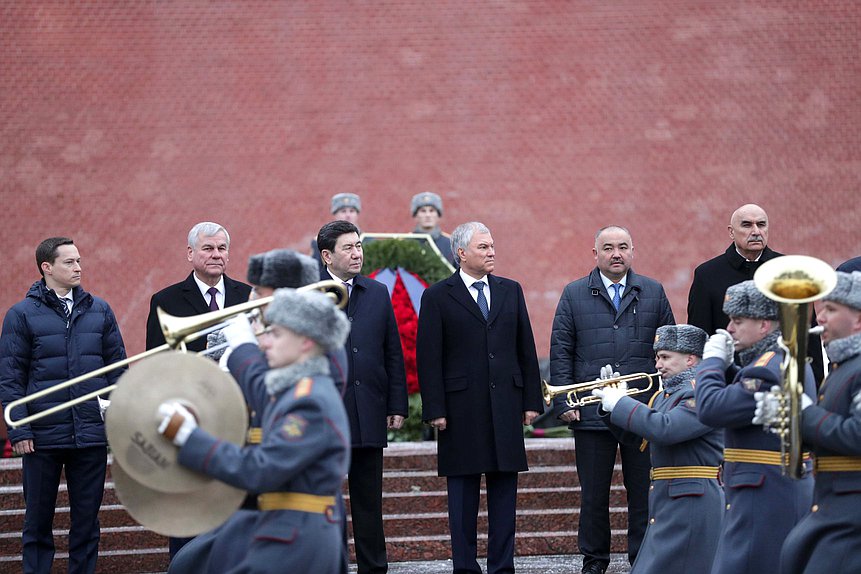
(376, 378)
(480, 375)
(184, 299)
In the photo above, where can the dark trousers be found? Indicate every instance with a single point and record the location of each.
(463, 497)
(365, 481)
(174, 545)
(595, 452)
(85, 478)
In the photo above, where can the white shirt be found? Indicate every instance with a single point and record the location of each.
(469, 282)
(745, 258)
(607, 283)
(219, 297)
(349, 281)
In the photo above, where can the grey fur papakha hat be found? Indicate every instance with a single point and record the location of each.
(342, 200)
(680, 339)
(309, 313)
(745, 300)
(848, 290)
(282, 268)
(426, 198)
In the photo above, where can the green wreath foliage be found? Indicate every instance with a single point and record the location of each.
(410, 254)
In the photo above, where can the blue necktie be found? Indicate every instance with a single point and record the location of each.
(617, 299)
(482, 302)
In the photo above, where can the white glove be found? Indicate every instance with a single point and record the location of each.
(767, 407)
(103, 406)
(238, 331)
(805, 401)
(607, 373)
(856, 402)
(720, 346)
(176, 422)
(610, 395)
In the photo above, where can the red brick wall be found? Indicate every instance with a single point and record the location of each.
(123, 124)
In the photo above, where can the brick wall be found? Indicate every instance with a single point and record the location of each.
(123, 124)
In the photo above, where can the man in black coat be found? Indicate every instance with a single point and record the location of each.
(208, 246)
(748, 229)
(375, 395)
(480, 383)
(206, 288)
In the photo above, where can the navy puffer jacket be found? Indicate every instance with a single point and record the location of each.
(589, 333)
(38, 350)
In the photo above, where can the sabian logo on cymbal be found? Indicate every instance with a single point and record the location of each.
(150, 450)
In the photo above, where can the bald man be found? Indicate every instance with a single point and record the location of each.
(748, 230)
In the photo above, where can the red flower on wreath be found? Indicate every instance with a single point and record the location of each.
(405, 288)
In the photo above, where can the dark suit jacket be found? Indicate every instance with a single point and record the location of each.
(183, 299)
(376, 379)
(480, 375)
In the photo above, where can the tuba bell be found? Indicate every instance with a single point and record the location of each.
(794, 282)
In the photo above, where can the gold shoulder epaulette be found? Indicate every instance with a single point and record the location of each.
(764, 359)
(303, 387)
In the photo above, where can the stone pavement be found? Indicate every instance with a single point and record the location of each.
(523, 564)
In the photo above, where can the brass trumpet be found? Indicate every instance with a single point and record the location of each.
(177, 332)
(580, 394)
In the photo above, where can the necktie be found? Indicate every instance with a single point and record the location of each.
(349, 288)
(617, 299)
(65, 305)
(213, 303)
(481, 300)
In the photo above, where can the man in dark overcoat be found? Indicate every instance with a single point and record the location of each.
(375, 395)
(205, 289)
(480, 382)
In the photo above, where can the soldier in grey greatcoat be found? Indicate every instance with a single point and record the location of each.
(829, 538)
(762, 505)
(426, 208)
(685, 499)
(304, 451)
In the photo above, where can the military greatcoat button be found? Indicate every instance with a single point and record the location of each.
(815, 508)
(651, 521)
(727, 506)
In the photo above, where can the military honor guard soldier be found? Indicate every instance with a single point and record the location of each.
(685, 498)
(762, 505)
(829, 538)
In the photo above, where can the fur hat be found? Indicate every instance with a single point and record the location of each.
(745, 300)
(309, 313)
(282, 268)
(426, 198)
(848, 290)
(342, 200)
(680, 339)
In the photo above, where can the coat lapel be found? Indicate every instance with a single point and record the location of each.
(498, 292)
(192, 295)
(460, 293)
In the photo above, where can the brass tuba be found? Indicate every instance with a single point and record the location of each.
(793, 281)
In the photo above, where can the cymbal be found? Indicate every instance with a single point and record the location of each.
(176, 514)
(131, 422)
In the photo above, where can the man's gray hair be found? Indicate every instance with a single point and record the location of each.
(206, 229)
(461, 236)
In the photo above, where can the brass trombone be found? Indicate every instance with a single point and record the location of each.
(177, 332)
(580, 394)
